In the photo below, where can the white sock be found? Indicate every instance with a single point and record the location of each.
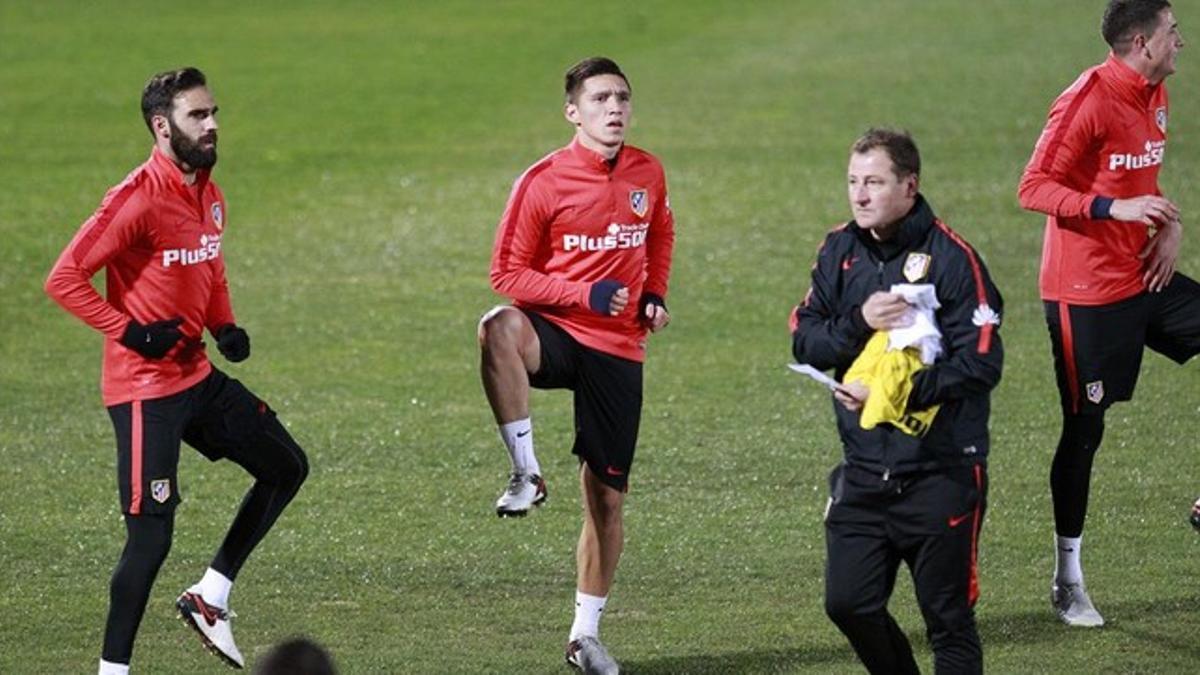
(214, 588)
(588, 609)
(518, 438)
(1067, 569)
(110, 668)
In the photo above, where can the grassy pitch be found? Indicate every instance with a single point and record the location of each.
(367, 151)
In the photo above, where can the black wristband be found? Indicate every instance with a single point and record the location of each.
(601, 294)
(1101, 208)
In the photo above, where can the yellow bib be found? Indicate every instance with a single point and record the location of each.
(889, 374)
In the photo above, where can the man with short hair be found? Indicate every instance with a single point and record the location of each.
(158, 237)
(584, 250)
(912, 486)
(296, 656)
(1107, 279)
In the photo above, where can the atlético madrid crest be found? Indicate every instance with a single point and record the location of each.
(160, 490)
(916, 266)
(218, 216)
(638, 202)
(1160, 118)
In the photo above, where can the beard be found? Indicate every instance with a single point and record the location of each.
(189, 151)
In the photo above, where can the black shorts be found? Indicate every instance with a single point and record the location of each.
(608, 399)
(1098, 349)
(217, 416)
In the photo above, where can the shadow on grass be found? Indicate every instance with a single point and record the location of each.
(1154, 621)
(1148, 621)
(762, 661)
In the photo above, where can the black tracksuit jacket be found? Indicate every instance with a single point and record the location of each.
(829, 332)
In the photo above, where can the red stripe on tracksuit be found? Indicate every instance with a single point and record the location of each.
(1050, 150)
(1068, 354)
(508, 226)
(135, 461)
(985, 331)
(973, 584)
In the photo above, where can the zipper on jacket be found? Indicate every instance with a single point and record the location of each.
(887, 471)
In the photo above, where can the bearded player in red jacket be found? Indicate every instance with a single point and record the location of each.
(584, 250)
(1108, 278)
(158, 237)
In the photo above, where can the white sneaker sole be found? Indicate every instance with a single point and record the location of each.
(520, 513)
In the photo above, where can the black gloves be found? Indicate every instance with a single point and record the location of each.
(649, 299)
(152, 340)
(155, 339)
(601, 293)
(233, 342)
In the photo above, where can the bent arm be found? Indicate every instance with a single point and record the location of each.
(111, 229)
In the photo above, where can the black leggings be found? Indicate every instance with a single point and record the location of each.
(147, 541)
(1071, 471)
(279, 467)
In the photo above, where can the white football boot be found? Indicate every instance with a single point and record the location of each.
(211, 623)
(524, 491)
(1073, 606)
(588, 655)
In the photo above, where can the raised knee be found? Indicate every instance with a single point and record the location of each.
(289, 464)
(299, 470)
(500, 328)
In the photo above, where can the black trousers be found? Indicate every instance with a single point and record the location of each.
(931, 522)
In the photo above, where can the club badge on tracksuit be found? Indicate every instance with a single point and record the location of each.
(638, 202)
(916, 266)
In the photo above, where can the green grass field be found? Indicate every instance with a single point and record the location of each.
(367, 151)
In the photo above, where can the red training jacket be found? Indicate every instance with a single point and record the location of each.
(573, 219)
(159, 242)
(1105, 137)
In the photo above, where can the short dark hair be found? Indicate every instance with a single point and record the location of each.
(1124, 19)
(590, 67)
(296, 656)
(899, 146)
(159, 94)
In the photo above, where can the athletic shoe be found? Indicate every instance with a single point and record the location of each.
(1195, 515)
(588, 655)
(1073, 605)
(524, 491)
(211, 623)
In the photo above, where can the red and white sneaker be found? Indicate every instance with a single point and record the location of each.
(211, 623)
(524, 491)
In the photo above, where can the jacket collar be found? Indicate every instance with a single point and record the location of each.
(592, 159)
(164, 166)
(912, 229)
(1127, 81)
